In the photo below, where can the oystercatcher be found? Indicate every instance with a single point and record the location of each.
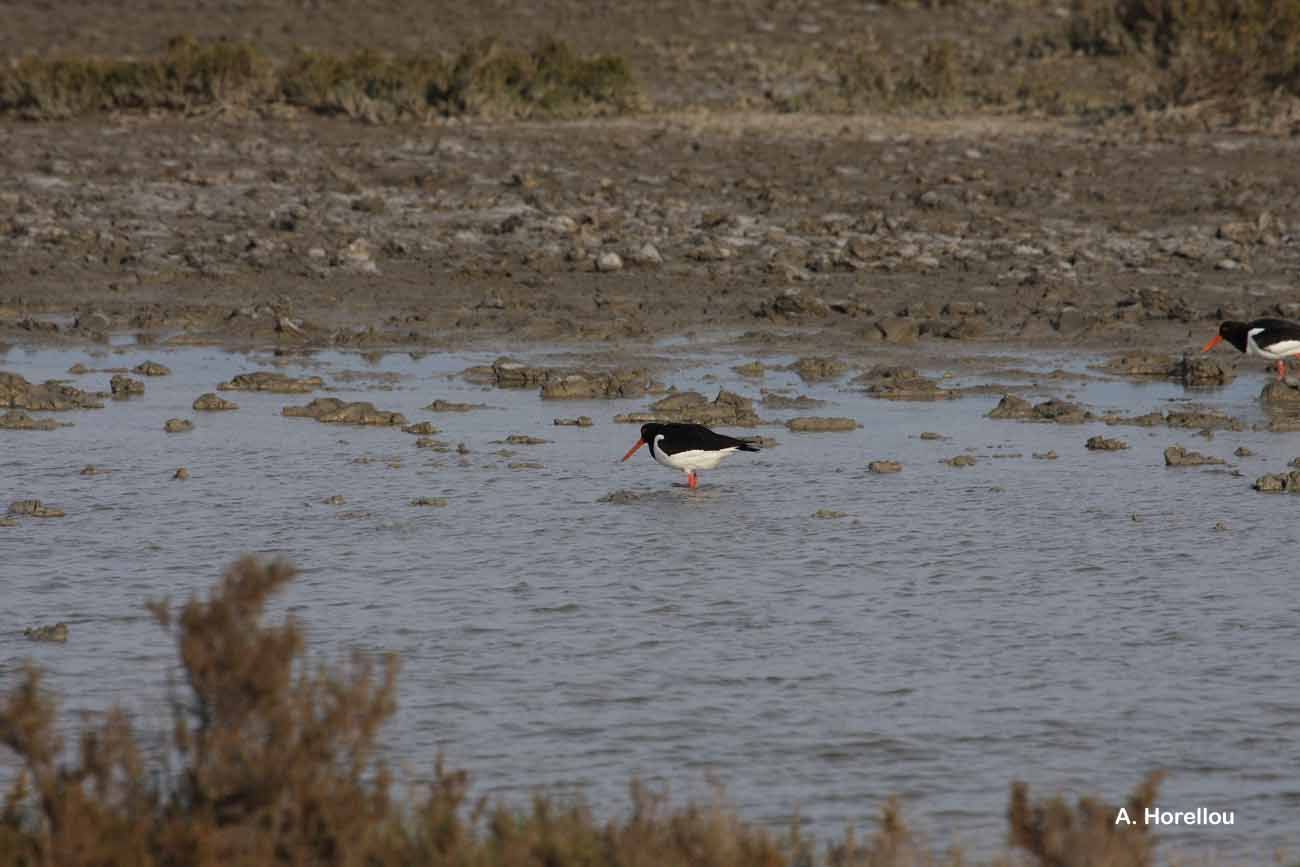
(688, 447)
(1274, 339)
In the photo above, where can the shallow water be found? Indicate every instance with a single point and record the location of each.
(959, 629)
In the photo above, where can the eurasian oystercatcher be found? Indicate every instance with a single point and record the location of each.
(688, 447)
(1274, 339)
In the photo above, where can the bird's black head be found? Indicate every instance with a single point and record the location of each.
(1232, 331)
(648, 434)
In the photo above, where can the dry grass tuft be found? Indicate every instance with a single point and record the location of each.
(487, 79)
(1086, 835)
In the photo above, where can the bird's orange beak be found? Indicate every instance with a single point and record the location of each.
(1213, 343)
(632, 451)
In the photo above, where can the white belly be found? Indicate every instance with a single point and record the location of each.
(1281, 349)
(692, 461)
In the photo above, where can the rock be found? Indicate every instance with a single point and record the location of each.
(821, 424)
(16, 419)
(580, 421)
(125, 386)
(898, 330)
(828, 514)
(931, 435)
(1177, 456)
(691, 407)
(436, 445)
(885, 467)
(780, 401)
(891, 382)
(1220, 527)
(78, 369)
(151, 368)
(1243, 452)
(1199, 419)
(8, 522)
(421, 428)
(1070, 320)
(1101, 444)
(1045, 456)
(961, 461)
(525, 465)
(589, 386)
(812, 369)
(58, 632)
(276, 383)
(793, 304)
(753, 369)
(53, 396)
(34, 509)
(92, 470)
(335, 500)
(331, 410)
(609, 262)
(648, 256)
(449, 406)
(213, 403)
(432, 502)
(1200, 370)
(620, 498)
(181, 474)
(523, 440)
(1054, 410)
(1283, 393)
(178, 425)
(1139, 364)
(1278, 482)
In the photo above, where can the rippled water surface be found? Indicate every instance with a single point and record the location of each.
(1073, 623)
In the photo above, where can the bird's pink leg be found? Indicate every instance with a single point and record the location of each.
(692, 481)
(1281, 370)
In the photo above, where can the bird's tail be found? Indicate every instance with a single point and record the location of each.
(746, 446)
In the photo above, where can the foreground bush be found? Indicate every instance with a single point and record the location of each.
(271, 761)
(486, 79)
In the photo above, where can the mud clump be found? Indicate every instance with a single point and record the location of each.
(781, 401)
(523, 440)
(432, 443)
(211, 402)
(276, 383)
(57, 633)
(1177, 456)
(1054, 410)
(793, 305)
(580, 421)
(125, 386)
(592, 386)
(525, 465)
(181, 474)
(1102, 444)
(931, 435)
(813, 369)
(885, 467)
(16, 419)
(92, 470)
(691, 407)
(451, 406)
(34, 509)
(430, 502)
(1139, 364)
(53, 396)
(334, 500)
(1202, 371)
(331, 410)
(1045, 456)
(620, 498)
(421, 428)
(752, 370)
(821, 424)
(961, 461)
(829, 514)
(1280, 394)
(890, 382)
(178, 425)
(1276, 483)
(1243, 452)
(151, 368)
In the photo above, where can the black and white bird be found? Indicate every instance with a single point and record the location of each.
(688, 447)
(1274, 339)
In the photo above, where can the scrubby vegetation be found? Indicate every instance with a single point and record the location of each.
(274, 761)
(487, 79)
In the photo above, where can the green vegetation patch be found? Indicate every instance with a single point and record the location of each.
(487, 79)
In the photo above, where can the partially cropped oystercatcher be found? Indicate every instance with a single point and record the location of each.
(688, 447)
(1274, 339)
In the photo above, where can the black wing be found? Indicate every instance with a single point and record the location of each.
(696, 437)
(1275, 331)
